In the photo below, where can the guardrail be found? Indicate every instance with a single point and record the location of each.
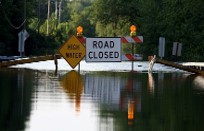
(4, 64)
(19, 60)
(179, 66)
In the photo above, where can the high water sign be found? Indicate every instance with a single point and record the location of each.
(73, 51)
(103, 49)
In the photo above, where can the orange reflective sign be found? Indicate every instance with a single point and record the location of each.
(73, 51)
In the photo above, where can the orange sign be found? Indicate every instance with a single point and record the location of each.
(73, 51)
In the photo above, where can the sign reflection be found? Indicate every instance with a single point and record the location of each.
(106, 101)
(115, 92)
(73, 85)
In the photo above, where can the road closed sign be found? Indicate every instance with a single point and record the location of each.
(103, 49)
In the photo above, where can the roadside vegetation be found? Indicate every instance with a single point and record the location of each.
(176, 20)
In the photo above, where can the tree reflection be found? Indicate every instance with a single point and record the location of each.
(15, 96)
(168, 99)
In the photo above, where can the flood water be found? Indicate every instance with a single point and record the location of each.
(34, 100)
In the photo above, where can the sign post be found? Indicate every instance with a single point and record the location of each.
(133, 45)
(176, 50)
(22, 36)
(133, 29)
(73, 51)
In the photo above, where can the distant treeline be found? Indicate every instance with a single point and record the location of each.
(176, 20)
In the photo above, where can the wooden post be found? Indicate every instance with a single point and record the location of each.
(56, 64)
(152, 60)
(79, 67)
(132, 55)
(48, 16)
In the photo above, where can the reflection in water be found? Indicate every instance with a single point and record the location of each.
(73, 85)
(15, 95)
(103, 87)
(199, 82)
(100, 101)
(151, 83)
(57, 103)
(131, 111)
(119, 95)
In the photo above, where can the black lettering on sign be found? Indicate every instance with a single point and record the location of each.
(91, 55)
(106, 54)
(73, 55)
(100, 44)
(110, 54)
(94, 44)
(116, 54)
(73, 47)
(102, 55)
(104, 45)
(111, 44)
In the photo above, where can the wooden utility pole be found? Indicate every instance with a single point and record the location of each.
(60, 9)
(48, 16)
(39, 3)
(24, 14)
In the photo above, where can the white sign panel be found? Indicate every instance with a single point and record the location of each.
(174, 48)
(177, 47)
(161, 47)
(103, 49)
(22, 36)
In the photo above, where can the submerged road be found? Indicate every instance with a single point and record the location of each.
(10, 62)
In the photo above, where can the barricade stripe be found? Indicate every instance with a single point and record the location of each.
(129, 56)
(124, 40)
(134, 39)
(137, 39)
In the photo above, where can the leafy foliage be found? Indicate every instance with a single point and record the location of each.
(176, 20)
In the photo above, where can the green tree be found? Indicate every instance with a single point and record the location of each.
(175, 20)
(113, 15)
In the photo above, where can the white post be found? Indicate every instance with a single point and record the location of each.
(20, 43)
(151, 63)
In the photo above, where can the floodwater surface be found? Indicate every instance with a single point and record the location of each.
(34, 100)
